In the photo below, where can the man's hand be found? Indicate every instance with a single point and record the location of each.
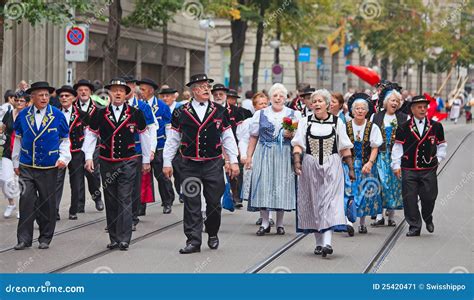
(17, 171)
(146, 168)
(248, 164)
(168, 172)
(243, 160)
(234, 170)
(89, 165)
(152, 156)
(227, 167)
(398, 173)
(288, 134)
(60, 164)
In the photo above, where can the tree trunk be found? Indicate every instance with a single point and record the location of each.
(420, 76)
(297, 66)
(278, 37)
(2, 40)
(164, 55)
(394, 72)
(384, 67)
(238, 29)
(110, 45)
(258, 49)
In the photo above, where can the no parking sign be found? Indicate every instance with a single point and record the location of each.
(77, 37)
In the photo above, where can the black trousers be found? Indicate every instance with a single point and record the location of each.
(37, 201)
(177, 173)
(165, 187)
(76, 181)
(208, 175)
(93, 180)
(118, 179)
(236, 185)
(425, 185)
(136, 194)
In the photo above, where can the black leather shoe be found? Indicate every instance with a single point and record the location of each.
(167, 209)
(280, 230)
(213, 242)
(350, 230)
(413, 233)
(80, 210)
(363, 229)
(378, 223)
(190, 249)
(272, 223)
(430, 227)
(72, 217)
(21, 246)
(123, 246)
(238, 204)
(373, 217)
(259, 221)
(134, 227)
(113, 245)
(43, 246)
(318, 250)
(391, 223)
(181, 199)
(326, 250)
(142, 210)
(262, 230)
(99, 205)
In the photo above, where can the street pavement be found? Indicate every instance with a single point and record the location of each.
(449, 248)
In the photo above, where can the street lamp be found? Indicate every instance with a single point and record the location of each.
(205, 24)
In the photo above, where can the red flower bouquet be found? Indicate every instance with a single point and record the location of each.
(289, 124)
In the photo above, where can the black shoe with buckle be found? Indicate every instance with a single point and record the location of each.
(280, 230)
(391, 223)
(259, 221)
(213, 242)
(262, 230)
(318, 250)
(272, 223)
(113, 245)
(378, 223)
(413, 232)
(167, 209)
(363, 229)
(99, 205)
(123, 246)
(326, 250)
(43, 246)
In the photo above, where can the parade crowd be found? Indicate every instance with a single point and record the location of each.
(334, 159)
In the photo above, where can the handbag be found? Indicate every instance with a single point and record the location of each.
(351, 210)
(227, 201)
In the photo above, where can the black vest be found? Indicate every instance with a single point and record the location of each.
(201, 140)
(419, 152)
(118, 138)
(366, 149)
(78, 122)
(378, 120)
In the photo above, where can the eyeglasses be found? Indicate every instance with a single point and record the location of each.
(203, 86)
(20, 100)
(65, 95)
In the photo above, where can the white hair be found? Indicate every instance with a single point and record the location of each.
(324, 94)
(392, 94)
(278, 88)
(366, 104)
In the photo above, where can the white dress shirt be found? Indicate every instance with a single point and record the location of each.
(375, 136)
(84, 106)
(39, 116)
(173, 139)
(117, 112)
(152, 129)
(67, 114)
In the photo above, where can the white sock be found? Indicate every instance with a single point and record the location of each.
(279, 222)
(319, 239)
(265, 220)
(327, 237)
(362, 220)
(269, 214)
(379, 217)
(349, 222)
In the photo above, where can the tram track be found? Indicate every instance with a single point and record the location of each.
(69, 229)
(104, 252)
(379, 256)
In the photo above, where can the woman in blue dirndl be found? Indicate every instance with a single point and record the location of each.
(366, 137)
(388, 120)
(273, 182)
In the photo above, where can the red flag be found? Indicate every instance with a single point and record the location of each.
(432, 113)
(366, 74)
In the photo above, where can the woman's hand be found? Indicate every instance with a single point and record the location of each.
(248, 163)
(288, 134)
(367, 168)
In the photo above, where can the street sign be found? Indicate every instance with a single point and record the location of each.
(277, 73)
(77, 37)
(304, 54)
